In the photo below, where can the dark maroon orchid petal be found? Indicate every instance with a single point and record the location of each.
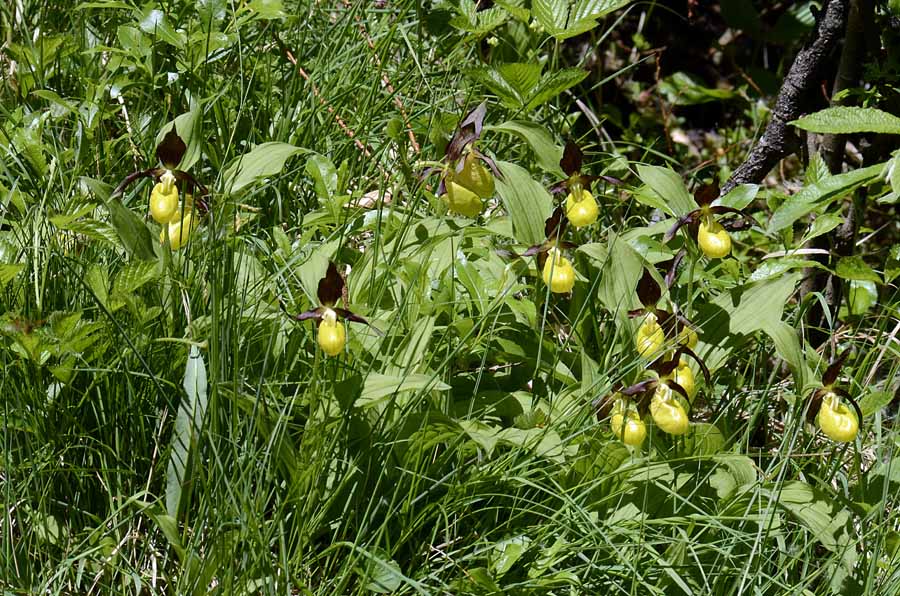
(331, 287)
(673, 267)
(541, 259)
(665, 367)
(490, 163)
(707, 193)
(641, 387)
(638, 312)
(555, 225)
(191, 183)
(309, 314)
(171, 149)
(603, 405)
(572, 159)
(648, 290)
(703, 368)
(747, 219)
(815, 404)
(688, 218)
(845, 395)
(152, 173)
(609, 179)
(675, 386)
(834, 369)
(355, 318)
(559, 187)
(662, 316)
(533, 250)
(469, 131)
(507, 254)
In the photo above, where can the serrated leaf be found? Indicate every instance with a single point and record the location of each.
(551, 14)
(188, 423)
(527, 202)
(9, 273)
(855, 268)
(564, 19)
(554, 84)
(820, 195)
(497, 85)
(262, 160)
(522, 77)
(849, 120)
(669, 187)
(133, 276)
(546, 152)
(95, 230)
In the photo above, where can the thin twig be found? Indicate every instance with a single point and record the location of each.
(778, 140)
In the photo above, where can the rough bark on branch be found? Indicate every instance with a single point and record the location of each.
(778, 140)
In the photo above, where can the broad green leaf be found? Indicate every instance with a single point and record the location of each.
(267, 9)
(873, 401)
(135, 275)
(523, 77)
(497, 85)
(554, 84)
(849, 120)
(684, 89)
(189, 127)
(620, 269)
(564, 19)
(527, 202)
(739, 197)
(154, 22)
(133, 232)
(8, 272)
(863, 295)
(378, 386)
(855, 268)
(263, 160)
(506, 553)
(546, 152)
(823, 517)
(93, 229)
(742, 311)
(788, 347)
(669, 187)
(188, 423)
(382, 573)
(820, 195)
(703, 439)
(324, 175)
(777, 267)
(551, 14)
(822, 225)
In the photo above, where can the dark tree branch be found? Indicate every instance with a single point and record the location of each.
(778, 140)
